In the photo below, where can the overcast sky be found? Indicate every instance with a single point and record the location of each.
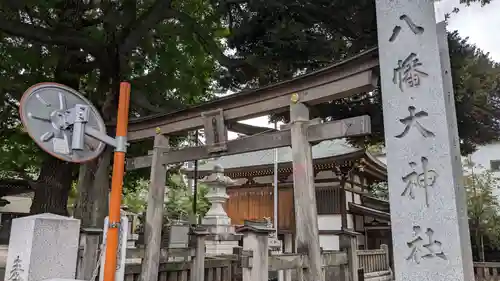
(480, 24)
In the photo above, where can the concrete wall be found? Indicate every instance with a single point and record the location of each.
(18, 204)
(485, 154)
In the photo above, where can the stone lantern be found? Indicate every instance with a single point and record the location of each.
(217, 183)
(216, 219)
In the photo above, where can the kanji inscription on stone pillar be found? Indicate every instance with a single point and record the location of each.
(428, 209)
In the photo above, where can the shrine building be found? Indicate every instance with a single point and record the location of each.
(342, 174)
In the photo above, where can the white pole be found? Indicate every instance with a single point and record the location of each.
(276, 194)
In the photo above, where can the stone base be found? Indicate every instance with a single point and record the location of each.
(219, 229)
(216, 220)
(215, 248)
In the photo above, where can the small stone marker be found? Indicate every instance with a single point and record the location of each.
(42, 247)
(121, 256)
(179, 237)
(428, 209)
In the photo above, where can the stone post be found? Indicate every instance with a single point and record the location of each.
(89, 242)
(197, 244)
(349, 244)
(43, 247)
(288, 243)
(387, 257)
(256, 243)
(153, 223)
(216, 219)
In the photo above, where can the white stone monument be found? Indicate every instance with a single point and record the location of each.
(216, 219)
(428, 209)
(42, 247)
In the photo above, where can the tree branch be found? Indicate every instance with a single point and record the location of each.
(18, 174)
(151, 76)
(206, 40)
(140, 100)
(22, 174)
(136, 29)
(47, 36)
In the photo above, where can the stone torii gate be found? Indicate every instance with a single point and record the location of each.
(349, 77)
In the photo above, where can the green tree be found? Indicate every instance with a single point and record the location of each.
(277, 37)
(476, 85)
(380, 190)
(179, 205)
(135, 199)
(169, 49)
(92, 47)
(179, 198)
(24, 64)
(284, 38)
(483, 207)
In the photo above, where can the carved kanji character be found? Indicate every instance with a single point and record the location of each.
(411, 121)
(419, 250)
(413, 27)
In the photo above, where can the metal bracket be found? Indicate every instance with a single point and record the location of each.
(121, 144)
(114, 224)
(77, 117)
(80, 114)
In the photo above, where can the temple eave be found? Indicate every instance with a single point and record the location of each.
(358, 157)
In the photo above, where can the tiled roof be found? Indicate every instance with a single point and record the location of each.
(325, 149)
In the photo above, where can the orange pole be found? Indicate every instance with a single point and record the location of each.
(117, 183)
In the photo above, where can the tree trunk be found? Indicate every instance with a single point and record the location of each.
(93, 189)
(52, 187)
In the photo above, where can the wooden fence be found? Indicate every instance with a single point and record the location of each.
(374, 260)
(252, 262)
(487, 271)
(228, 268)
(217, 269)
(375, 264)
